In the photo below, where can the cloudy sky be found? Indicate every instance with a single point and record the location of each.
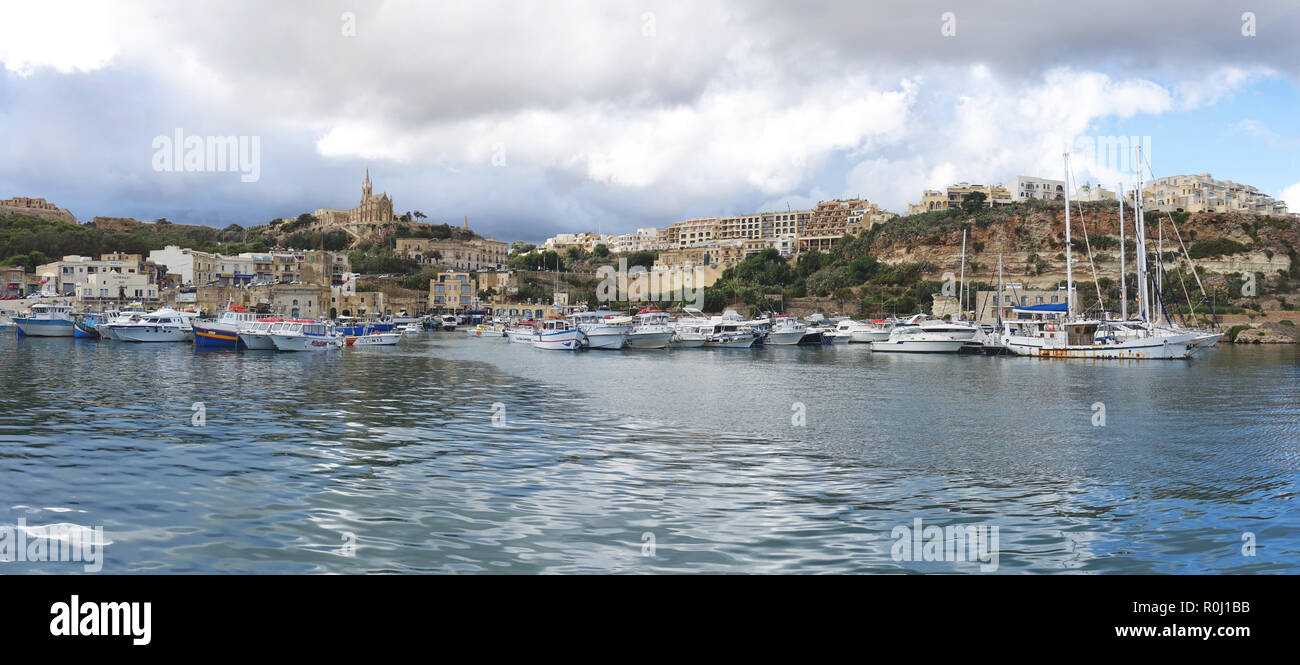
(533, 118)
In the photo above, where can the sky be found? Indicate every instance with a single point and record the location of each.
(534, 118)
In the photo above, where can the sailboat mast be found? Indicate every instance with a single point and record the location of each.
(999, 290)
(1123, 272)
(961, 297)
(1139, 227)
(1069, 258)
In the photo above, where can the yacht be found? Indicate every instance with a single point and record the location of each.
(224, 332)
(861, 332)
(914, 339)
(46, 321)
(651, 330)
(164, 325)
(959, 330)
(558, 334)
(604, 330)
(306, 335)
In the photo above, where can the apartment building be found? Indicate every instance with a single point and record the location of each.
(453, 291)
(933, 199)
(485, 254)
(1024, 188)
(1203, 193)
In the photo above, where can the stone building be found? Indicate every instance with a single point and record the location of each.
(33, 207)
(372, 209)
(476, 254)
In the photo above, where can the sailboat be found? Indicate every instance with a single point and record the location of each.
(1072, 335)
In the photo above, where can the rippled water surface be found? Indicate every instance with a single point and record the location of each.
(606, 454)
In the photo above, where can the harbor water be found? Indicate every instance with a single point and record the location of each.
(455, 454)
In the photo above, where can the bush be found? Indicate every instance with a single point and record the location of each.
(1231, 334)
(1215, 248)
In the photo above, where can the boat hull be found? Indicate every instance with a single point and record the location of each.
(649, 340)
(597, 339)
(215, 336)
(521, 336)
(152, 334)
(737, 343)
(563, 340)
(1172, 347)
(919, 346)
(688, 342)
(785, 337)
(375, 339)
(256, 342)
(868, 336)
(305, 342)
(43, 327)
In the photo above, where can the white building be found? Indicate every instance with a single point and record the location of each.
(1025, 187)
(1088, 192)
(112, 286)
(178, 261)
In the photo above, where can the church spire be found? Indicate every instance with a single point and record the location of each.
(466, 222)
(365, 186)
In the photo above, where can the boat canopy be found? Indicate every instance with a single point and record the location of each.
(1040, 309)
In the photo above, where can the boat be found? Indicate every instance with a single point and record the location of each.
(224, 332)
(412, 328)
(521, 332)
(651, 330)
(862, 332)
(914, 339)
(1063, 333)
(83, 327)
(373, 338)
(691, 329)
(131, 313)
(6, 323)
(729, 335)
(46, 321)
(449, 322)
(558, 334)
(786, 330)
(604, 329)
(306, 335)
(257, 336)
(163, 325)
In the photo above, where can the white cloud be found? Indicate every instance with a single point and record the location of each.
(64, 36)
(1292, 197)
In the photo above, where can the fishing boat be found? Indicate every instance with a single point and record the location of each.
(306, 335)
(729, 335)
(83, 327)
(604, 329)
(224, 332)
(521, 332)
(164, 325)
(651, 330)
(914, 339)
(558, 334)
(257, 335)
(46, 321)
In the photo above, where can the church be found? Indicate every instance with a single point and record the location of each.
(373, 209)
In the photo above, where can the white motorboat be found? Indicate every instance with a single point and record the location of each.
(46, 321)
(257, 336)
(914, 339)
(729, 335)
(861, 332)
(604, 330)
(413, 328)
(132, 313)
(164, 325)
(373, 338)
(651, 331)
(306, 335)
(558, 334)
(786, 330)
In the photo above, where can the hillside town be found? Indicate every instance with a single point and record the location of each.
(466, 272)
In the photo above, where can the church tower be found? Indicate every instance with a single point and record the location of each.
(365, 187)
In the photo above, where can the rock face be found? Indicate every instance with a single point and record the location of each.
(1267, 334)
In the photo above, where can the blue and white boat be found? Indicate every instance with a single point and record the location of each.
(558, 334)
(46, 321)
(306, 335)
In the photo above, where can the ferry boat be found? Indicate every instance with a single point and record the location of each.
(604, 329)
(46, 321)
(164, 325)
(558, 334)
(306, 335)
(651, 330)
(224, 332)
(256, 336)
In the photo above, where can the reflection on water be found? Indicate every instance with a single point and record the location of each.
(387, 459)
